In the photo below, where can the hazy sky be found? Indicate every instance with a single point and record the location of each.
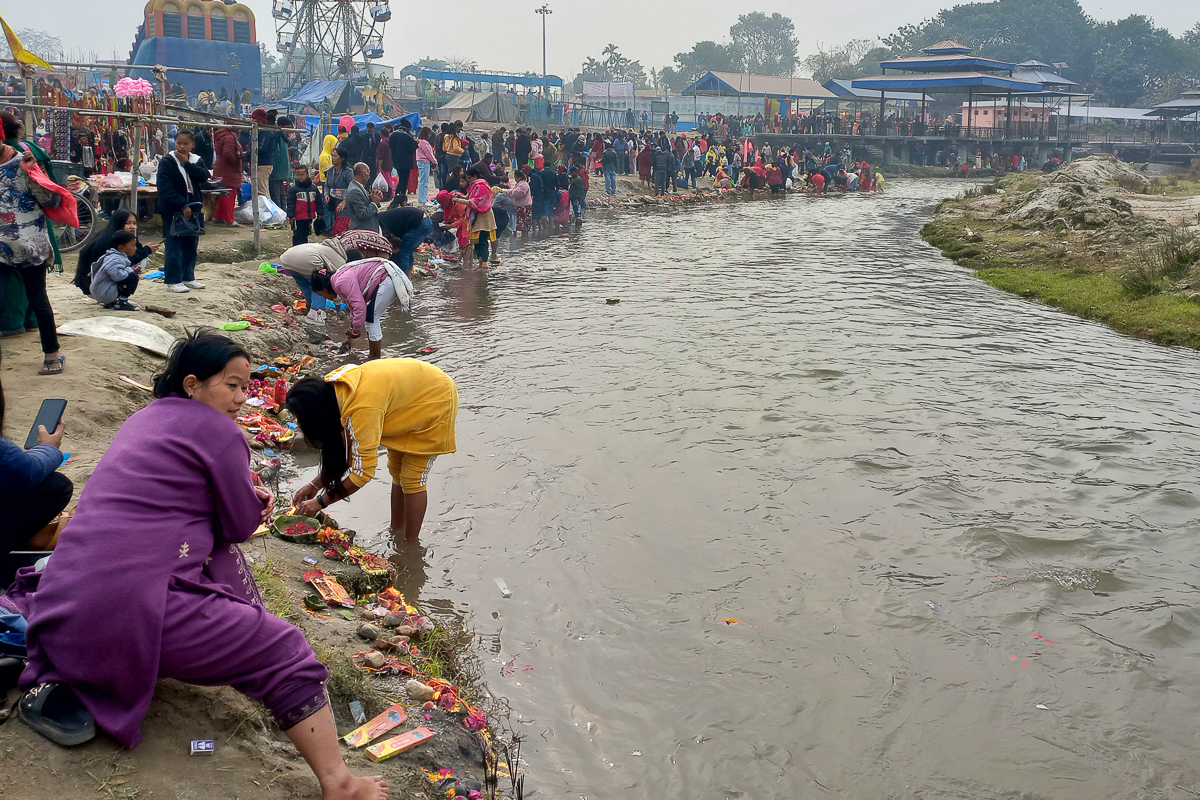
(506, 36)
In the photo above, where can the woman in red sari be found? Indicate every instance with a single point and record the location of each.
(645, 161)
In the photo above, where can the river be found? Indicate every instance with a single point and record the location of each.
(952, 525)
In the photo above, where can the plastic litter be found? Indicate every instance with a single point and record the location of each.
(268, 268)
(149, 276)
(504, 590)
(268, 213)
(934, 606)
(202, 747)
(357, 712)
(1042, 706)
(235, 326)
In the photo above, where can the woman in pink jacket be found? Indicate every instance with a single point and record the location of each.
(425, 161)
(367, 286)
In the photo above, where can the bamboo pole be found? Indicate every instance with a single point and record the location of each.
(254, 187)
(135, 157)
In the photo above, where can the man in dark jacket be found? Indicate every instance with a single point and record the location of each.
(521, 148)
(609, 162)
(404, 159)
(370, 143)
(549, 190)
(663, 166)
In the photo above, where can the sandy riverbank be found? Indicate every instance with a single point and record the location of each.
(1098, 239)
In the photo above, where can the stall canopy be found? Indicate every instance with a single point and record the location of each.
(742, 84)
(477, 107)
(340, 95)
(843, 89)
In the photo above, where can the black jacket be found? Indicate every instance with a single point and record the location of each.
(404, 149)
(172, 190)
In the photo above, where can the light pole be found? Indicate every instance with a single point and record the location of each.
(544, 11)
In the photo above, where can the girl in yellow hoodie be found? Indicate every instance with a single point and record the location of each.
(326, 159)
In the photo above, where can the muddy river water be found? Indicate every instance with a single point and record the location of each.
(955, 528)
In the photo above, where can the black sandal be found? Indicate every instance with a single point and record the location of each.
(47, 363)
(54, 711)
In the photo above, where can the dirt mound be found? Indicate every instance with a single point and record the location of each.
(1101, 169)
(1081, 195)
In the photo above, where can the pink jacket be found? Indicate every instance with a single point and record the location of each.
(355, 282)
(520, 194)
(425, 152)
(479, 197)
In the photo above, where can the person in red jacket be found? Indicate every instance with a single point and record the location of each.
(817, 181)
(305, 207)
(227, 168)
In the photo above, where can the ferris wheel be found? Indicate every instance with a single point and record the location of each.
(328, 39)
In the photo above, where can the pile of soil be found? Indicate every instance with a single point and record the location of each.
(1082, 195)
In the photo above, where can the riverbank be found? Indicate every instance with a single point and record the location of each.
(252, 758)
(1097, 239)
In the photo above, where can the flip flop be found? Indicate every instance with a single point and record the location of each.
(49, 362)
(54, 711)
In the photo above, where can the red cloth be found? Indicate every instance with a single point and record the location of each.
(227, 159)
(225, 206)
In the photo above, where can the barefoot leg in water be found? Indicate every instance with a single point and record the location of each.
(316, 739)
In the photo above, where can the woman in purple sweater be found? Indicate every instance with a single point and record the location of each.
(148, 581)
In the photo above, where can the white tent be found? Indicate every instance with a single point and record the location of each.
(477, 107)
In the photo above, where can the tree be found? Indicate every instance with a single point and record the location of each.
(431, 63)
(765, 45)
(705, 57)
(1136, 61)
(40, 43)
(611, 66)
(268, 60)
(461, 64)
(837, 62)
(1009, 30)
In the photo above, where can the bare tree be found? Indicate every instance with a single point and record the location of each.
(37, 42)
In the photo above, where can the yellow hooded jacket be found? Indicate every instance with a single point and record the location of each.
(326, 159)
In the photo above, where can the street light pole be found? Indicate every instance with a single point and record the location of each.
(544, 11)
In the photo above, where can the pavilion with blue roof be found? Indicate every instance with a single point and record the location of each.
(947, 66)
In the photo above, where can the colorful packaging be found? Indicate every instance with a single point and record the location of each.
(399, 744)
(330, 590)
(377, 727)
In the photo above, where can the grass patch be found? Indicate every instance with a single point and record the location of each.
(1164, 318)
(272, 585)
(1019, 182)
(1161, 263)
(347, 682)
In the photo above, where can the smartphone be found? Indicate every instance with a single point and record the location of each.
(50, 414)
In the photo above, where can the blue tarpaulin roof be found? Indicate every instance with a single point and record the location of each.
(360, 120)
(317, 92)
(414, 119)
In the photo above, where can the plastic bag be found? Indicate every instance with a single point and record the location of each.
(381, 184)
(268, 213)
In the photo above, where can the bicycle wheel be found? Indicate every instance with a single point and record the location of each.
(74, 238)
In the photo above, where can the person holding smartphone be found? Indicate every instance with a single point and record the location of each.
(32, 491)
